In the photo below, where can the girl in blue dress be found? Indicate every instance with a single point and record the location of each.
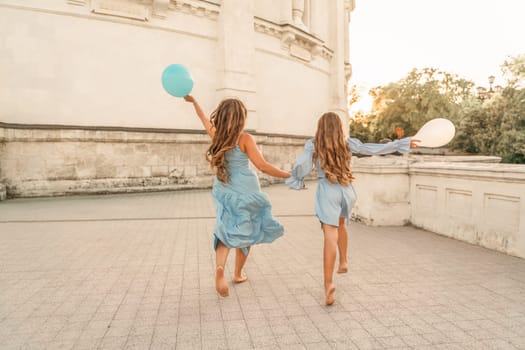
(244, 215)
(331, 151)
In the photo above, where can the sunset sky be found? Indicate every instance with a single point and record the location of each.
(468, 37)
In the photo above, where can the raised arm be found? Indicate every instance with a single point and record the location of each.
(248, 146)
(202, 116)
(402, 146)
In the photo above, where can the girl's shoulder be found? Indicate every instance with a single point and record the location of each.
(244, 139)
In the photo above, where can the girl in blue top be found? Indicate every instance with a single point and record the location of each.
(244, 216)
(330, 151)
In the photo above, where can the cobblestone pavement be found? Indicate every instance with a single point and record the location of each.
(136, 271)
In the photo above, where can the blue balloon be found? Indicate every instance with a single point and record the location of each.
(177, 80)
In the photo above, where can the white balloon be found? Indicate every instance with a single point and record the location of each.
(436, 133)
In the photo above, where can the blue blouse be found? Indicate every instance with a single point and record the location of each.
(304, 163)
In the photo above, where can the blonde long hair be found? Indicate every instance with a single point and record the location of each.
(228, 120)
(332, 150)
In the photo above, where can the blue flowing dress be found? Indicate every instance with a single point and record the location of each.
(244, 216)
(334, 201)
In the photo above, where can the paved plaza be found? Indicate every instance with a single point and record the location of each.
(135, 271)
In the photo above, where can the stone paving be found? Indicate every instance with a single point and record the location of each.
(136, 271)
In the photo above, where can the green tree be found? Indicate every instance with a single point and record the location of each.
(493, 126)
(422, 95)
(497, 126)
(513, 69)
(359, 127)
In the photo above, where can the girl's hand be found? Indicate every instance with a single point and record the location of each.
(210, 130)
(414, 143)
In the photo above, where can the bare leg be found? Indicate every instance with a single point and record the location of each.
(240, 260)
(342, 244)
(221, 255)
(329, 253)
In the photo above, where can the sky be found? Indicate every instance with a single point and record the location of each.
(470, 38)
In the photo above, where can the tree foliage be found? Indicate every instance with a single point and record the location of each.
(493, 126)
(513, 70)
(409, 103)
(496, 128)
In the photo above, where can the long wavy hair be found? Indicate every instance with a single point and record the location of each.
(332, 150)
(228, 120)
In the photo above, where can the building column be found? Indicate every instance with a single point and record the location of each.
(297, 14)
(339, 33)
(315, 7)
(349, 7)
(286, 11)
(236, 55)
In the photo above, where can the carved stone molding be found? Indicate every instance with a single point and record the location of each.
(298, 7)
(77, 2)
(160, 8)
(297, 42)
(120, 8)
(143, 10)
(204, 9)
(349, 5)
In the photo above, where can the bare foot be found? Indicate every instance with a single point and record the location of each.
(220, 282)
(343, 268)
(330, 295)
(239, 279)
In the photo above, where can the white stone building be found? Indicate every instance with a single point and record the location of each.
(82, 108)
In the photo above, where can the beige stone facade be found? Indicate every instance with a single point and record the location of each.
(82, 108)
(99, 62)
(49, 161)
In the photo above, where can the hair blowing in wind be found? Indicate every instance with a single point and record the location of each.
(228, 121)
(332, 150)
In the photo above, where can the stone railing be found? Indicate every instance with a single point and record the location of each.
(467, 198)
(44, 160)
(482, 204)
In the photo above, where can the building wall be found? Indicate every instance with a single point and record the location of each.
(65, 65)
(82, 108)
(99, 62)
(291, 99)
(49, 161)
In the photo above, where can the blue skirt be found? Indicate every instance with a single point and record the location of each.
(333, 201)
(244, 215)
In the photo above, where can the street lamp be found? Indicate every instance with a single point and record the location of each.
(483, 93)
(491, 81)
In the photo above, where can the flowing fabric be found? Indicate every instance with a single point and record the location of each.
(333, 200)
(244, 216)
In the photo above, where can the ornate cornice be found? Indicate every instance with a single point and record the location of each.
(126, 9)
(144, 10)
(297, 42)
(349, 5)
(77, 2)
(203, 9)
